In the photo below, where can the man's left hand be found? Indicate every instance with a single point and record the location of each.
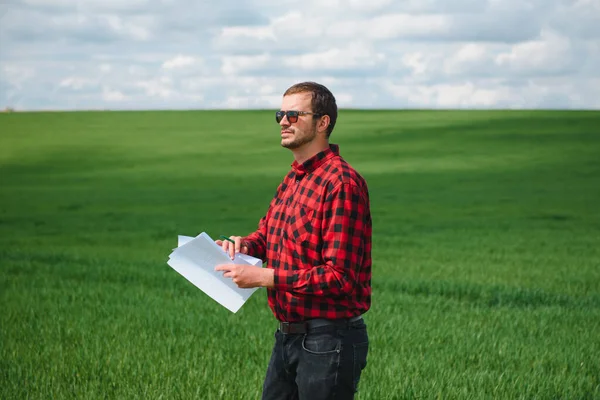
(247, 276)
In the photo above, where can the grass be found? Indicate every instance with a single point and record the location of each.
(486, 252)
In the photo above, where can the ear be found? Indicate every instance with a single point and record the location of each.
(323, 123)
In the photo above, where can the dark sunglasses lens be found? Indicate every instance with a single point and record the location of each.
(292, 116)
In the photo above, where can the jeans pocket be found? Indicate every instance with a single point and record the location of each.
(360, 361)
(325, 343)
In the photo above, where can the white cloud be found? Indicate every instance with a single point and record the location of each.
(129, 27)
(369, 6)
(496, 93)
(549, 54)
(180, 61)
(160, 87)
(471, 53)
(464, 95)
(470, 58)
(253, 32)
(416, 62)
(248, 101)
(91, 5)
(111, 95)
(393, 26)
(292, 25)
(49, 3)
(580, 18)
(105, 67)
(234, 65)
(378, 53)
(461, 95)
(77, 83)
(344, 99)
(356, 56)
(16, 75)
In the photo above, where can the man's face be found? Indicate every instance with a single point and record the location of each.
(294, 135)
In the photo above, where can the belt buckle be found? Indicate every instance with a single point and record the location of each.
(292, 327)
(284, 327)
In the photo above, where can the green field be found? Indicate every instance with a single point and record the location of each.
(486, 252)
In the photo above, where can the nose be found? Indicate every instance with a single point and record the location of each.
(284, 121)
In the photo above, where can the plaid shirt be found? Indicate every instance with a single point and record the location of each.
(316, 235)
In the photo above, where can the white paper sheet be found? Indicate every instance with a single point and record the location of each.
(196, 258)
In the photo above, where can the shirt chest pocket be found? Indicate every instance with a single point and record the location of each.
(298, 227)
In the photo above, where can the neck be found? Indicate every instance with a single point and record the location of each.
(303, 153)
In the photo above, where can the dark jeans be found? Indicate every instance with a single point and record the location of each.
(323, 364)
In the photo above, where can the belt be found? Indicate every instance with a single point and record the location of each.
(304, 327)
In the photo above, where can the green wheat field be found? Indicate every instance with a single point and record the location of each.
(486, 252)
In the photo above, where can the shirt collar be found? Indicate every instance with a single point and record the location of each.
(315, 161)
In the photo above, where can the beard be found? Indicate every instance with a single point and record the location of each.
(299, 139)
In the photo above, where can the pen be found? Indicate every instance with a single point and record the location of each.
(226, 238)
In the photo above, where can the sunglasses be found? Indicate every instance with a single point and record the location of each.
(292, 116)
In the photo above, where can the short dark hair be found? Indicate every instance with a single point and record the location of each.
(322, 102)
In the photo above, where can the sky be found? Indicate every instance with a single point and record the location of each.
(176, 54)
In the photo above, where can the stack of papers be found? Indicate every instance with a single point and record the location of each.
(196, 259)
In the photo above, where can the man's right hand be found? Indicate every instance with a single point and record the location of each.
(231, 248)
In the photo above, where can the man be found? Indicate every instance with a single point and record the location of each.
(316, 241)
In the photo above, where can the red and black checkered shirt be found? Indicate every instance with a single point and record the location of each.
(316, 235)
